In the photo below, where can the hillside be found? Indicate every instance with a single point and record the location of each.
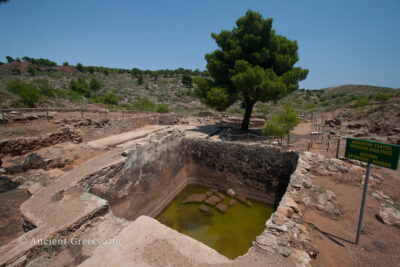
(147, 90)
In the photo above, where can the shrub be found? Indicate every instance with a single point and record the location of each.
(65, 63)
(281, 124)
(187, 80)
(29, 96)
(140, 80)
(16, 71)
(31, 70)
(94, 85)
(310, 106)
(110, 99)
(273, 128)
(143, 104)
(27, 92)
(80, 86)
(361, 101)
(381, 97)
(44, 87)
(79, 67)
(162, 108)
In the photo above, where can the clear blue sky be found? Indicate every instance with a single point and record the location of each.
(340, 42)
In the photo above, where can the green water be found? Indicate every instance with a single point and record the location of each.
(230, 233)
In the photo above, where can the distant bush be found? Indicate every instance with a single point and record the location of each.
(40, 61)
(187, 80)
(80, 86)
(79, 67)
(144, 105)
(325, 104)
(140, 80)
(381, 97)
(16, 71)
(90, 69)
(27, 92)
(44, 87)
(361, 101)
(29, 96)
(94, 85)
(310, 106)
(65, 63)
(31, 70)
(110, 99)
(162, 108)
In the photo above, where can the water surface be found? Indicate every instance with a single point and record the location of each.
(230, 233)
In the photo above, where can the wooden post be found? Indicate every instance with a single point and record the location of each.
(337, 149)
(81, 112)
(47, 114)
(288, 139)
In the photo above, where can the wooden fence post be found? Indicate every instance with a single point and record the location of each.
(337, 149)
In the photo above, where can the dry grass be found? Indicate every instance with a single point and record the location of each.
(34, 128)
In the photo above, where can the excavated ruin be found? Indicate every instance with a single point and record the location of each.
(137, 180)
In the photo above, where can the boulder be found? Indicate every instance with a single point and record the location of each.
(220, 195)
(231, 192)
(205, 208)
(7, 184)
(195, 198)
(34, 161)
(221, 207)
(212, 200)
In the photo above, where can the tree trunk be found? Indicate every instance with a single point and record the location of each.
(247, 115)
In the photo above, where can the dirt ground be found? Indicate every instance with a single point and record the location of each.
(334, 237)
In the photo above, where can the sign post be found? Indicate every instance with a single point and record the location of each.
(381, 154)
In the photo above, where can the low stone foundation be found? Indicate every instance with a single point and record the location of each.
(20, 146)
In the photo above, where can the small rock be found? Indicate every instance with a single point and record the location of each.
(195, 198)
(285, 251)
(279, 219)
(209, 193)
(221, 207)
(212, 200)
(306, 200)
(300, 257)
(231, 192)
(267, 241)
(307, 183)
(389, 215)
(34, 187)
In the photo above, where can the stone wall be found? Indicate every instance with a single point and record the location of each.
(255, 171)
(23, 145)
(153, 174)
(158, 169)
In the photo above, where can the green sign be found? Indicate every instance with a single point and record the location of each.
(381, 154)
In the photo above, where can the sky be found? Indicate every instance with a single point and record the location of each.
(340, 42)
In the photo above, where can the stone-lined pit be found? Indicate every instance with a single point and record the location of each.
(157, 170)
